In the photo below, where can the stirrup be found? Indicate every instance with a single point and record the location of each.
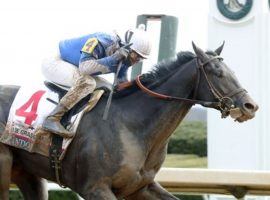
(56, 129)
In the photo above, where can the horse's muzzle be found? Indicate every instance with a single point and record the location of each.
(245, 109)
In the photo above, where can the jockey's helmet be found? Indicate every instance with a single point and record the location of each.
(140, 41)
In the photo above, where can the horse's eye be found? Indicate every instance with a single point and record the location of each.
(219, 73)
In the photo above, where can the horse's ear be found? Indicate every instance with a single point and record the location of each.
(219, 49)
(199, 53)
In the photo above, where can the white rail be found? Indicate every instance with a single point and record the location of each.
(207, 181)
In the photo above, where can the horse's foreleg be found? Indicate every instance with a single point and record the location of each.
(31, 186)
(100, 192)
(152, 191)
(5, 171)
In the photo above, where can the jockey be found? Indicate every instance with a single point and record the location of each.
(94, 54)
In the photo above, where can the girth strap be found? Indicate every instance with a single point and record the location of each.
(55, 153)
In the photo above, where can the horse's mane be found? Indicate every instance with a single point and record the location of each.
(160, 71)
(164, 68)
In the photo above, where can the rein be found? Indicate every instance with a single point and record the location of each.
(224, 102)
(172, 98)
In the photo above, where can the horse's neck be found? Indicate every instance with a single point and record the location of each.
(157, 119)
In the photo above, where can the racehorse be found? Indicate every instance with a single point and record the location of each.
(119, 158)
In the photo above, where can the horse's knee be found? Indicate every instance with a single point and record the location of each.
(101, 193)
(152, 192)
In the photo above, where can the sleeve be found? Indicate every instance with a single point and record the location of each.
(97, 55)
(109, 62)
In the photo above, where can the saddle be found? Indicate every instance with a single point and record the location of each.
(61, 90)
(102, 84)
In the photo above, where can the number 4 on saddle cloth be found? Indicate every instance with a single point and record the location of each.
(28, 111)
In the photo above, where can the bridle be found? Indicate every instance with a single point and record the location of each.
(224, 103)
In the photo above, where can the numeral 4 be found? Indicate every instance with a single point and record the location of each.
(31, 115)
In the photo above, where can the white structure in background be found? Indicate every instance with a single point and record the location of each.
(247, 52)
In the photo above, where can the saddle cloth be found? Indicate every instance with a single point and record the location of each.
(28, 111)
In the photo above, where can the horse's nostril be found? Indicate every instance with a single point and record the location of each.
(250, 106)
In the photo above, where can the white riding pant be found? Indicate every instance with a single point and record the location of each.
(63, 73)
(59, 71)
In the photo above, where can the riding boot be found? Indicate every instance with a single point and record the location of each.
(83, 86)
(52, 122)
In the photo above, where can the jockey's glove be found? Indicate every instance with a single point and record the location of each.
(121, 54)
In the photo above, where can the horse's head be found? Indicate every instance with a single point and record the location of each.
(216, 82)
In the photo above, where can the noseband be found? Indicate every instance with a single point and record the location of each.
(224, 102)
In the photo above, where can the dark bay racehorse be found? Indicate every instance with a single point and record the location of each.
(119, 158)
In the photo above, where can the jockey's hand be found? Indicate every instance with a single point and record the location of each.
(121, 53)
